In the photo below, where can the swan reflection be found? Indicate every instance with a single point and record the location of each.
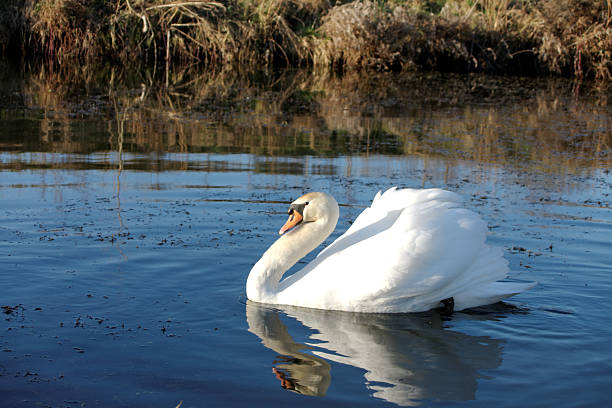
(407, 358)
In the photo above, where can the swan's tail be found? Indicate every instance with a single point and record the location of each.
(490, 293)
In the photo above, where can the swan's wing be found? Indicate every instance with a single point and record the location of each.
(408, 250)
(384, 211)
(398, 199)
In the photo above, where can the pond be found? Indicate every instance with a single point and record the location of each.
(131, 211)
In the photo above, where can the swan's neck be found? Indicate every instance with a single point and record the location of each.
(263, 280)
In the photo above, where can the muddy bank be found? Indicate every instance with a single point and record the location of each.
(532, 37)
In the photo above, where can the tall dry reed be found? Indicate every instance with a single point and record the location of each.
(568, 37)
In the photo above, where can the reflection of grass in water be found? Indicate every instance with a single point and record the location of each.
(509, 122)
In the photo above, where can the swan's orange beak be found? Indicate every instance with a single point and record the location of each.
(294, 219)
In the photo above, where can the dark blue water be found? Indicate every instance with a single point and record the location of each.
(122, 278)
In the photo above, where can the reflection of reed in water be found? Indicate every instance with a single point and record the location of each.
(539, 125)
(408, 359)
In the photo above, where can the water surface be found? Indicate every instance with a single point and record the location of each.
(131, 214)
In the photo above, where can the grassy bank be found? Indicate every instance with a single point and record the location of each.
(566, 37)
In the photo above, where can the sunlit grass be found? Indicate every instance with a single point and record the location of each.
(569, 37)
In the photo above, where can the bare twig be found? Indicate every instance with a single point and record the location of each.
(204, 4)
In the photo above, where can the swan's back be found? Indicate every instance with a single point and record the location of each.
(405, 253)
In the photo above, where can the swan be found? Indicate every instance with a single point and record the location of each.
(412, 250)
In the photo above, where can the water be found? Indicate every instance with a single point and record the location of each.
(130, 216)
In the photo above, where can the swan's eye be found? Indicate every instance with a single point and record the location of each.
(299, 208)
(290, 212)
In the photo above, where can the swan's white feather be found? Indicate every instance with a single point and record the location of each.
(405, 253)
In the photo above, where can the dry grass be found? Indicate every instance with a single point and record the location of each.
(65, 29)
(573, 36)
(249, 33)
(568, 37)
(366, 34)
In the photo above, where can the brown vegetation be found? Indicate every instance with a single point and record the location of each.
(568, 37)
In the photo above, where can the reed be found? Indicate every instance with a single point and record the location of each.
(572, 36)
(567, 37)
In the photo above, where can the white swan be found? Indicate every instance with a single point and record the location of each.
(410, 251)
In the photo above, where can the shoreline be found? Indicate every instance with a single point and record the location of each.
(570, 38)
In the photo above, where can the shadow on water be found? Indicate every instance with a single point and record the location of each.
(407, 359)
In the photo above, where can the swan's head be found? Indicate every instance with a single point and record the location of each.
(311, 207)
